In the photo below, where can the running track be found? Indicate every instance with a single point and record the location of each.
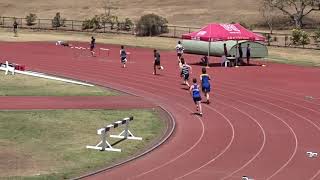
(260, 124)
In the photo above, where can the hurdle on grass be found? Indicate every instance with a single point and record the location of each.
(104, 145)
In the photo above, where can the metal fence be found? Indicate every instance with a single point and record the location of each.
(275, 39)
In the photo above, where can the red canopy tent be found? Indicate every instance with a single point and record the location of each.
(223, 32)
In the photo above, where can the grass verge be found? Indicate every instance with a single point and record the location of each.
(22, 85)
(51, 144)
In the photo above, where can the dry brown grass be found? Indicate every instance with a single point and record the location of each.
(186, 12)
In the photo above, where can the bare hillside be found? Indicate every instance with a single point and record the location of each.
(179, 12)
(185, 12)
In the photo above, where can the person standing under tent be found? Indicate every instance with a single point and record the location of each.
(157, 63)
(179, 49)
(196, 96)
(92, 45)
(15, 28)
(248, 54)
(205, 84)
(185, 71)
(240, 54)
(123, 56)
(225, 50)
(205, 60)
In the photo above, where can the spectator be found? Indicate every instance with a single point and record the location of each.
(205, 60)
(248, 54)
(225, 49)
(15, 28)
(240, 53)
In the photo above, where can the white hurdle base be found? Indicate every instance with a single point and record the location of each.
(123, 136)
(108, 148)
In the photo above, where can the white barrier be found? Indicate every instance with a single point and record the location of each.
(312, 154)
(246, 178)
(104, 145)
(104, 50)
(11, 69)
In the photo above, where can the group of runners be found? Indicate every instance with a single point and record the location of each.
(185, 71)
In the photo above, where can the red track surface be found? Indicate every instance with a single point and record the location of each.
(260, 124)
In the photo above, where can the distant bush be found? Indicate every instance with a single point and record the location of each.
(300, 37)
(316, 36)
(30, 19)
(57, 21)
(305, 39)
(151, 25)
(126, 25)
(296, 35)
(93, 23)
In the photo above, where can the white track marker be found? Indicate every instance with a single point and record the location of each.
(246, 178)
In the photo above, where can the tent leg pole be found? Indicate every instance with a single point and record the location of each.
(207, 65)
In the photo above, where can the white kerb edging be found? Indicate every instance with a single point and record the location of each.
(41, 75)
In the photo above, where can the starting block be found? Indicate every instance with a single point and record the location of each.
(104, 145)
(312, 154)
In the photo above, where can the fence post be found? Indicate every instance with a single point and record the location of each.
(39, 27)
(174, 31)
(3, 21)
(21, 23)
(189, 30)
(104, 27)
(285, 40)
(72, 24)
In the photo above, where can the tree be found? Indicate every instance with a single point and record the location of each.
(108, 6)
(57, 21)
(295, 9)
(268, 13)
(151, 25)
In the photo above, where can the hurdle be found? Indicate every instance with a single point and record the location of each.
(104, 145)
(8, 68)
(104, 49)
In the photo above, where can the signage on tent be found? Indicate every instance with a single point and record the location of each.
(199, 34)
(231, 28)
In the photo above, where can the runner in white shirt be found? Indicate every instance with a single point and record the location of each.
(179, 49)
